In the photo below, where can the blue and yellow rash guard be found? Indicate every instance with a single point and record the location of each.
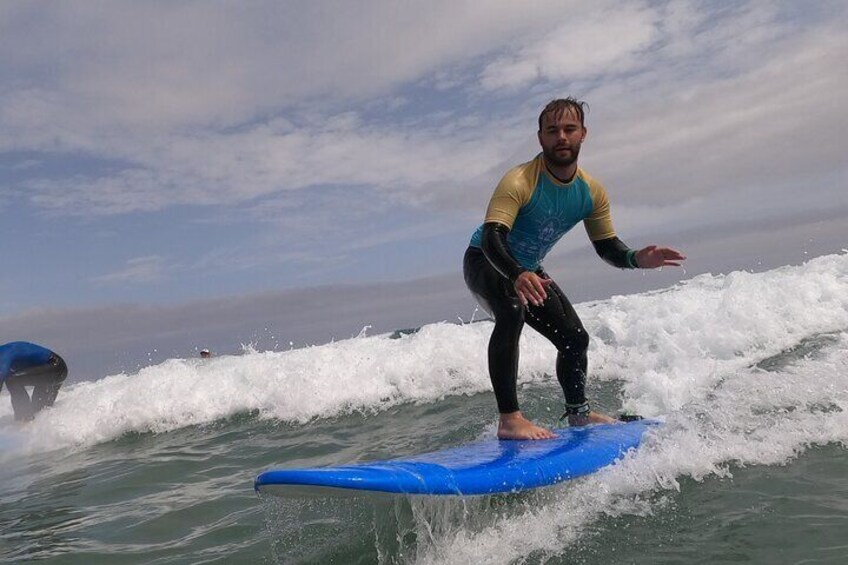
(538, 210)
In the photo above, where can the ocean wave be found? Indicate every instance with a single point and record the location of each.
(670, 348)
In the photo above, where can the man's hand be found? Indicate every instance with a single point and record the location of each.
(652, 257)
(530, 287)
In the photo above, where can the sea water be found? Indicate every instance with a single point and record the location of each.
(748, 370)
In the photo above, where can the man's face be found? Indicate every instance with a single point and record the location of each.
(561, 137)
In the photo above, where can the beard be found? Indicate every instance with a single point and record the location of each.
(557, 161)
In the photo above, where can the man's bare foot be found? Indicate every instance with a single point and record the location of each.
(590, 418)
(515, 426)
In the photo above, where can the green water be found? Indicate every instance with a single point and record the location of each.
(187, 497)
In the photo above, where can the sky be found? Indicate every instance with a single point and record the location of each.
(180, 173)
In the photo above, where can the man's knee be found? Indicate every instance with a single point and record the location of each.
(573, 341)
(509, 313)
(60, 368)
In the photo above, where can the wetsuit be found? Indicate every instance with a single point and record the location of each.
(25, 364)
(529, 212)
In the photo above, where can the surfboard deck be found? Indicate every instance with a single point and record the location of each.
(487, 467)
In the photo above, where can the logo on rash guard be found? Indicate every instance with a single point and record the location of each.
(550, 232)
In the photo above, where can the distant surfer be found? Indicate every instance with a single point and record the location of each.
(25, 364)
(533, 206)
(205, 354)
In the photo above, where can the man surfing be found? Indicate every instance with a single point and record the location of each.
(533, 206)
(25, 364)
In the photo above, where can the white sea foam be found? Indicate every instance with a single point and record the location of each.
(753, 417)
(723, 412)
(672, 349)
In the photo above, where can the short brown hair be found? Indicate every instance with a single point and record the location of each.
(561, 105)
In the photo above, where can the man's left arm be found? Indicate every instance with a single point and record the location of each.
(614, 251)
(618, 254)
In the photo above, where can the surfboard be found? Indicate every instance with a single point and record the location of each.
(487, 467)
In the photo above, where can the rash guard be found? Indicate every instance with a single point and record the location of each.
(531, 210)
(20, 355)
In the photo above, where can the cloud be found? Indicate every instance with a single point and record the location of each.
(605, 40)
(239, 167)
(156, 66)
(778, 120)
(138, 270)
(249, 105)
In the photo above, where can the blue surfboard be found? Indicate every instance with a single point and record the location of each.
(486, 467)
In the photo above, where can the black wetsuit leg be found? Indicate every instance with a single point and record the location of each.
(46, 381)
(555, 319)
(559, 323)
(497, 296)
(21, 404)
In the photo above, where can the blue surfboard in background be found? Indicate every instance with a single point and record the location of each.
(486, 467)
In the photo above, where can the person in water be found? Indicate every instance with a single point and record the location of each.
(533, 206)
(25, 364)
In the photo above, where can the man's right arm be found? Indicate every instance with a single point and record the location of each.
(529, 287)
(496, 250)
